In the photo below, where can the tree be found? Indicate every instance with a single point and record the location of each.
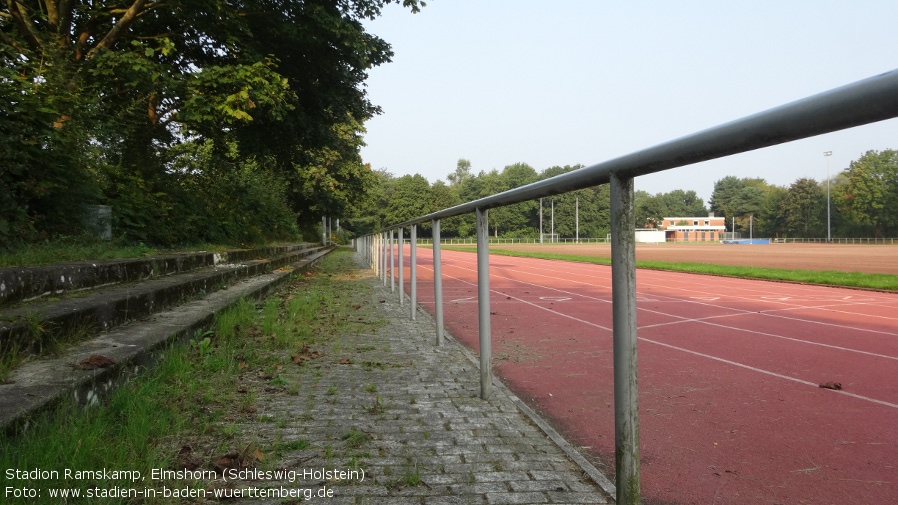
(743, 199)
(594, 208)
(651, 210)
(125, 81)
(869, 195)
(462, 173)
(410, 199)
(803, 209)
(513, 220)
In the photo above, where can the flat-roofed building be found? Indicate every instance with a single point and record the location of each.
(694, 229)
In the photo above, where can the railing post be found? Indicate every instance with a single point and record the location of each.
(438, 281)
(376, 248)
(383, 257)
(392, 265)
(413, 277)
(623, 296)
(483, 302)
(323, 230)
(401, 273)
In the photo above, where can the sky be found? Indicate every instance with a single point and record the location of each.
(567, 82)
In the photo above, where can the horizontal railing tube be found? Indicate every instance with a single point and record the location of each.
(863, 102)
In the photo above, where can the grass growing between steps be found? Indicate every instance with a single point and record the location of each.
(89, 248)
(190, 410)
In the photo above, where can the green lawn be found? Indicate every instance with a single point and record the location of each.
(885, 282)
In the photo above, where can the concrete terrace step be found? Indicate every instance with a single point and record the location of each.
(104, 307)
(40, 383)
(29, 283)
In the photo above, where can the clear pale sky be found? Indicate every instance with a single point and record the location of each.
(563, 82)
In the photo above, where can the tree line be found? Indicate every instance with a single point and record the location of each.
(863, 202)
(196, 120)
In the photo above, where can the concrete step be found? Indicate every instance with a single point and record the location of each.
(30, 283)
(28, 326)
(42, 382)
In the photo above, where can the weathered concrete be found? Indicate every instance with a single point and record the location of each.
(423, 435)
(107, 307)
(38, 384)
(26, 283)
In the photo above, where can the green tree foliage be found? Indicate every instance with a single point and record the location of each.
(513, 220)
(410, 199)
(652, 209)
(111, 89)
(802, 212)
(747, 202)
(593, 205)
(770, 210)
(461, 174)
(869, 194)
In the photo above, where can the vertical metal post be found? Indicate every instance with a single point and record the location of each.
(413, 277)
(401, 274)
(829, 237)
(392, 265)
(383, 257)
(330, 235)
(375, 260)
(552, 235)
(577, 219)
(540, 220)
(623, 297)
(483, 302)
(323, 230)
(438, 281)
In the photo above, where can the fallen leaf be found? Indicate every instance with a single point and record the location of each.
(305, 354)
(247, 457)
(832, 385)
(345, 361)
(95, 361)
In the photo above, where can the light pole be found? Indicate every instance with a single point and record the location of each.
(552, 234)
(829, 238)
(540, 220)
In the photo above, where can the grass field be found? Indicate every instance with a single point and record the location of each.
(856, 266)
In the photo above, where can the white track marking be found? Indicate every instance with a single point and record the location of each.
(767, 372)
(696, 353)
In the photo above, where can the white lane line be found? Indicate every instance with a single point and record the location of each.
(716, 358)
(772, 335)
(551, 311)
(768, 372)
(739, 311)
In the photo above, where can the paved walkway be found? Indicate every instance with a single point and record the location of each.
(409, 414)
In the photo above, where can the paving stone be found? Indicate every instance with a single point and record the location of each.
(429, 439)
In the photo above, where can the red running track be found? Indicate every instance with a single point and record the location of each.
(730, 408)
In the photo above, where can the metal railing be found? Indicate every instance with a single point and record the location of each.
(863, 102)
(846, 240)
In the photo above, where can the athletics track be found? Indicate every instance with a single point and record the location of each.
(730, 406)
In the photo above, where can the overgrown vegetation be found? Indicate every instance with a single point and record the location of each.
(196, 121)
(186, 412)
